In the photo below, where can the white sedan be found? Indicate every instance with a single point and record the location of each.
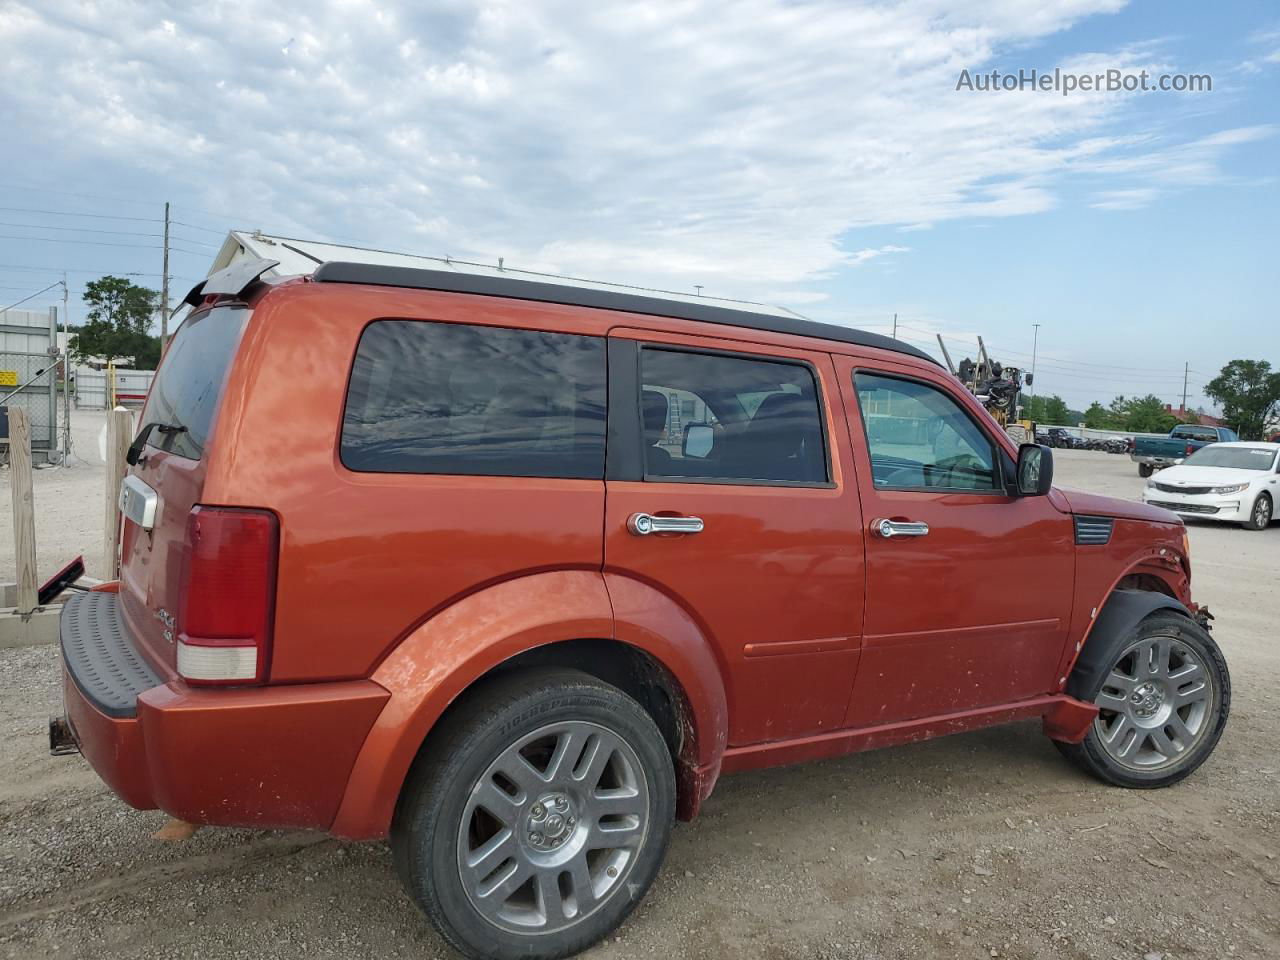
(1235, 482)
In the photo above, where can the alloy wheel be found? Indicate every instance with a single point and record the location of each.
(553, 827)
(1262, 512)
(1155, 705)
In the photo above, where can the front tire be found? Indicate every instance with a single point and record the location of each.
(537, 817)
(1145, 469)
(1163, 704)
(1260, 515)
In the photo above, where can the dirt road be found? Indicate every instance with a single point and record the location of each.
(975, 846)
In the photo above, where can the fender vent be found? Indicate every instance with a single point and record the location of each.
(1093, 531)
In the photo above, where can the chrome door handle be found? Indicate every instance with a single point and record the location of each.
(899, 528)
(643, 524)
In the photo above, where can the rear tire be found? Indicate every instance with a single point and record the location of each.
(1260, 515)
(1163, 702)
(537, 816)
(1145, 469)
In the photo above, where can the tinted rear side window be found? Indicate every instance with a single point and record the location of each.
(459, 399)
(727, 419)
(188, 385)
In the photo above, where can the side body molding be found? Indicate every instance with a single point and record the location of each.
(443, 656)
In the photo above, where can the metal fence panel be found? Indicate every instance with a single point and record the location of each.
(91, 388)
(26, 339)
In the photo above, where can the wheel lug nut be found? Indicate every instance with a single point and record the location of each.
(535, 837)
(537, 811)
(561, 803)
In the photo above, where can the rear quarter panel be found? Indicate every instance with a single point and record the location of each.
(366, 557)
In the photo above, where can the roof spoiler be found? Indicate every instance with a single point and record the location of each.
(232, 281)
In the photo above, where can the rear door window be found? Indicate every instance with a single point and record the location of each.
(189, 383)
(720, 418)
(451, 398)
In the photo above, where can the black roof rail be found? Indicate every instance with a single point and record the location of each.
(449, 282)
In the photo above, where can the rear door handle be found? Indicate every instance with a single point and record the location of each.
(899, 528)
(643, 524)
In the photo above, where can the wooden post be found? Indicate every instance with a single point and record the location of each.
(119, 436)
(24, 509)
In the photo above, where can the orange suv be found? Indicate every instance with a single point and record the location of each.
(511, 572)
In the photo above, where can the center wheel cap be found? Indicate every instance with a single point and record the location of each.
(550, 822)
(1147, 699)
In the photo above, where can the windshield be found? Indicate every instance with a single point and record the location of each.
(189, 383)
(1237, 458)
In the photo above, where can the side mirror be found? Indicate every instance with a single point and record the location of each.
(1030, 379)
(1035, 470)
(699, 438)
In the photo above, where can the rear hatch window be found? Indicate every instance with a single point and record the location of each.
(189, 383)
(185, 394)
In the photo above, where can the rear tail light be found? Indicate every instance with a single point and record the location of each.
(1190, 450)
(227, 596)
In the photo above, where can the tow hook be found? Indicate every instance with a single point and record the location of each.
(1203, 616)
(62, 741)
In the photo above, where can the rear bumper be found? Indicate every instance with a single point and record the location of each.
(251, 756)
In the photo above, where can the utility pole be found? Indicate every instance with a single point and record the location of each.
(1035, 342)
(66, 372)
(1186, 369)
(895, 326)
(164, 285)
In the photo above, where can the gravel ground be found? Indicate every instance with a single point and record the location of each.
(974, 846)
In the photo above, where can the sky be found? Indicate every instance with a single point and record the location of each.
(812, 154)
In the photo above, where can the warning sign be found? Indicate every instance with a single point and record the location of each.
(8, 378)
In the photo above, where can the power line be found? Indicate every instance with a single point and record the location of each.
(28, 267)
(194, 243)
(98, 243)
(56, 283)
(1040, 357)
(68, 213)
(41, 226)
(99, 272)
(68, 193)
(193, 226)
(1118, 377)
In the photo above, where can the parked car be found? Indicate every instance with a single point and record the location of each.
(1154, 453)
(511, 573)
(1233, 482)
(1059, 437)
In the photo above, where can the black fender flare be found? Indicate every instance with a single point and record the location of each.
(1121, 612)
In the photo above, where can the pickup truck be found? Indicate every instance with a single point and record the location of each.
(1153, 453)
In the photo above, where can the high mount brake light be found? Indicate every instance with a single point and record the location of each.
(227, 595)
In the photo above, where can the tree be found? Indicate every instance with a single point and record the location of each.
(1051, 410)
(1248, 392)
(118, 322)
(1098, 417)
(1148, 415)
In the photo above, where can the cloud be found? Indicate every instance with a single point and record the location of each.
(668, 144)
(1132, 199)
